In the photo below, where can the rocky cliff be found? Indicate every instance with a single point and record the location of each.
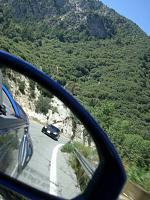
(66, 19)
(57, 114)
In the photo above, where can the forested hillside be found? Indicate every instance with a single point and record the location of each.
(102, 58)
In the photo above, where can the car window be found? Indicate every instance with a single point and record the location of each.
(7, 103)
(53, 128)
(22, 113)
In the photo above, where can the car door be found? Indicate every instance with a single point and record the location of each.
(13, 132)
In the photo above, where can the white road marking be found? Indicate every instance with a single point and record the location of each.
(53, 171)
(13, 172)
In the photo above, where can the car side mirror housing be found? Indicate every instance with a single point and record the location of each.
(109, 177)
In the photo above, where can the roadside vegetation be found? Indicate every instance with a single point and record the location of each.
(89, 153)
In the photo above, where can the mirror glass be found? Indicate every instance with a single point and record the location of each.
(41, 142)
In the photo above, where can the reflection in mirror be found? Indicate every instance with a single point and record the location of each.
(43, 144)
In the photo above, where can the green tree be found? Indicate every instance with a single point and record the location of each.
(42, 105)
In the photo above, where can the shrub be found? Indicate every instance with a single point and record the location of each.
(68, 148)
(21, 85)
(42, 105)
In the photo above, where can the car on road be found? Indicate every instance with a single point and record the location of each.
(52, 131)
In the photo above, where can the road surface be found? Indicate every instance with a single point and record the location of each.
(48, 169)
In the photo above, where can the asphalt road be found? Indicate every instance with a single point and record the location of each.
(48, 169)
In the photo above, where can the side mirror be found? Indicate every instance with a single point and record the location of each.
(107, 178)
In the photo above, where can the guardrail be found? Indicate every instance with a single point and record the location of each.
(87, 166)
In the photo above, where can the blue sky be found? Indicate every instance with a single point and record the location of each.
(136, 10)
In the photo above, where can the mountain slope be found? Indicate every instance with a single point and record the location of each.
(65, 19)
(99, 56)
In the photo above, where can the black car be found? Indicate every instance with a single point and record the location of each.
(51, 131)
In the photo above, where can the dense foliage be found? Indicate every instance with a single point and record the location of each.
(110, 77)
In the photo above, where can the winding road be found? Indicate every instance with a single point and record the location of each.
(48, 169)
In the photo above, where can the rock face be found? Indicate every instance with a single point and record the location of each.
(58, 114)
(40, 9)
(61, 118)
(96, 26)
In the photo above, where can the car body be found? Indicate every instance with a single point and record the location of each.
(15, 142)
(52, 131)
